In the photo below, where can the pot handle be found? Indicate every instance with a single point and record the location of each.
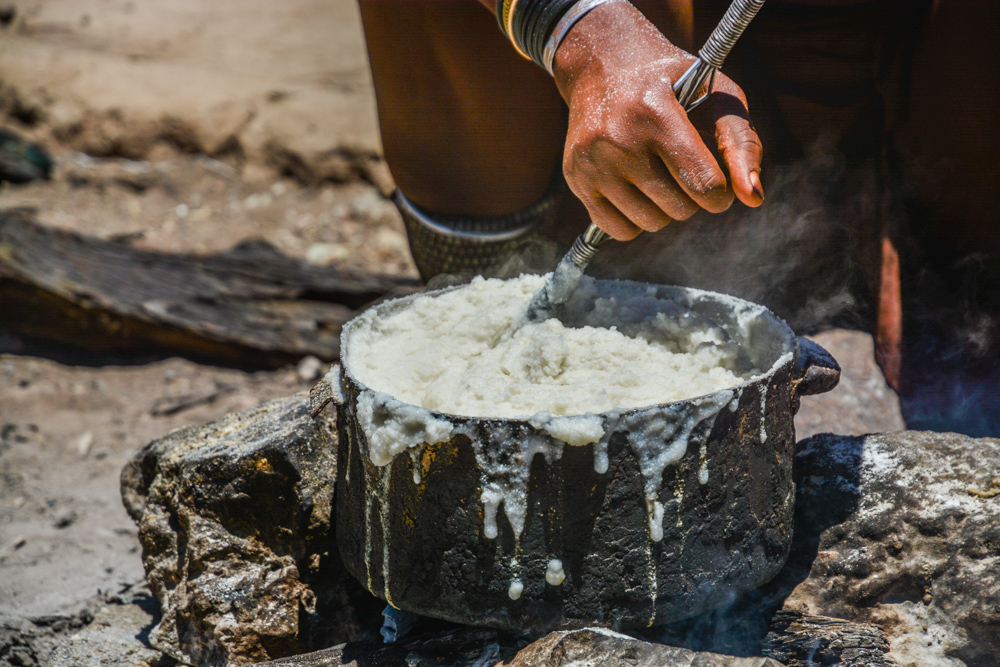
(327, 391)
(816, 371)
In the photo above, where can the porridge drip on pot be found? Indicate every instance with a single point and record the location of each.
(574, 380)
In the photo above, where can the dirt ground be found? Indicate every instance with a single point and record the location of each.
(192, 126)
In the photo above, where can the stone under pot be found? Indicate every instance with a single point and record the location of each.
(601, 542)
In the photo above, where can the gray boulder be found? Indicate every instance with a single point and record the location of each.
(903, 531)
(238, 540)
(597, 647)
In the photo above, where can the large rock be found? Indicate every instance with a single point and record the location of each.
(597, 647)
(235, 522)
(862, 402)
(905, 531)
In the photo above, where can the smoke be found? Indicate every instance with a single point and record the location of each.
(952, 380)
(951, 345)
(802, 253)
(737, 627)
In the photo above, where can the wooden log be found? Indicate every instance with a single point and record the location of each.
(249, 305)
(801, 640)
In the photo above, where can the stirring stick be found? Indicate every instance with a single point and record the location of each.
(562, 282)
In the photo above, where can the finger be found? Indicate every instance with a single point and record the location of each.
(656, 182)
(691, 163)
(636, 206)
(737, 141)
(605, 215)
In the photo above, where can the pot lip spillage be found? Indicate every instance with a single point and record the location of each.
(744, 309)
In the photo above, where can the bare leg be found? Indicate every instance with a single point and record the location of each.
(468, 126)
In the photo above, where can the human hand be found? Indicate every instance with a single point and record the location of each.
(633, 156)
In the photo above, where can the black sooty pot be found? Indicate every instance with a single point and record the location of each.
(420, 545)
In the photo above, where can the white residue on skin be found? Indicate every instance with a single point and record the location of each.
(554, 575)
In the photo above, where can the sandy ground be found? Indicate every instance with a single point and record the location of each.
(192, 126)
(276, 85)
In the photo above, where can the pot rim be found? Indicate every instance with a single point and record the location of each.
(788, 356)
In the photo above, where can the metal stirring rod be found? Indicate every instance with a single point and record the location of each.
(566, 278)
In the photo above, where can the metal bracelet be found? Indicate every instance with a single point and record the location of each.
(510, 29)
(568, 20)
(455, 244)
(502, 7)
(483, 234)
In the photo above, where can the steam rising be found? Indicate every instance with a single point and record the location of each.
(799, 253)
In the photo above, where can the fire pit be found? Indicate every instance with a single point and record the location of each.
(672, 509)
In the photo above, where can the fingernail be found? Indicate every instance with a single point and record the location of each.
(755, 182)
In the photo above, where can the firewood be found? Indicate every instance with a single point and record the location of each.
(799, 640)
(250, 305)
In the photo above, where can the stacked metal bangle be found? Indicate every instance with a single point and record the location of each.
(537, 27)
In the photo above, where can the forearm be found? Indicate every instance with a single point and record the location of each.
(631, 154)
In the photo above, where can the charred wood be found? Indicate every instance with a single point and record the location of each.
(800, 640)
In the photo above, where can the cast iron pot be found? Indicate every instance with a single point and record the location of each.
(420, 545)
